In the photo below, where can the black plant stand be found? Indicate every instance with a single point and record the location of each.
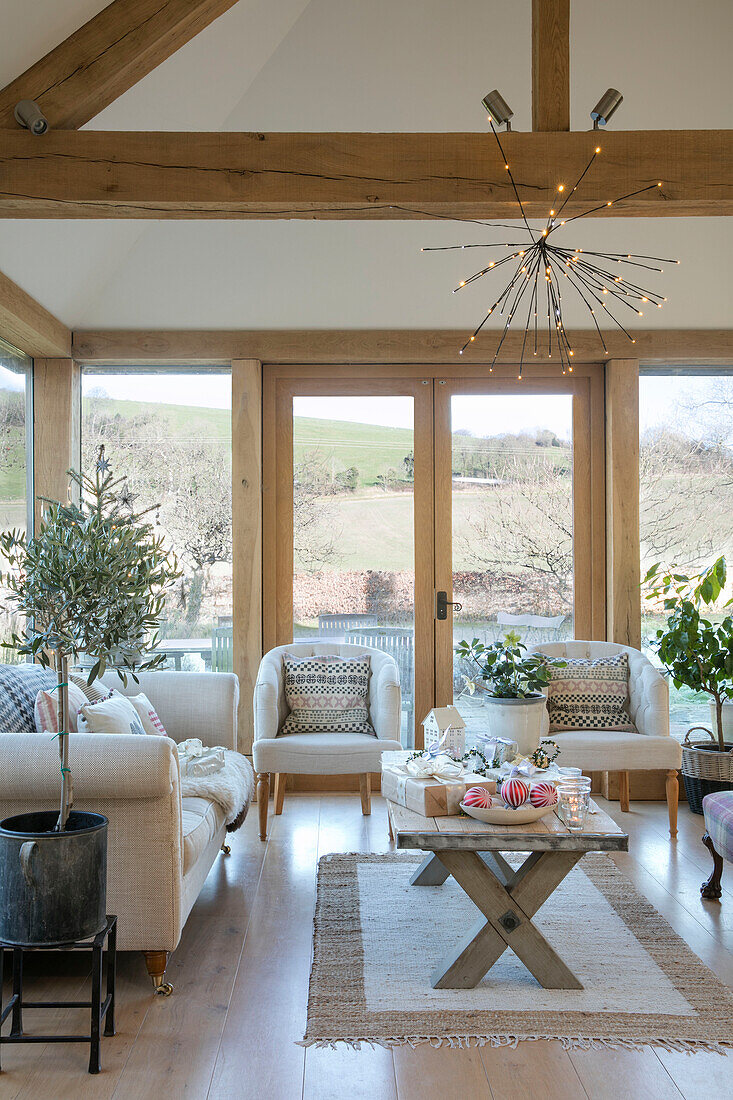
(100, 1009)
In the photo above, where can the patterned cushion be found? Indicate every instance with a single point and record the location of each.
(590, 694)
(148, 715)
(718, 810)
(19, 686)
(327, 694)
(94, 692)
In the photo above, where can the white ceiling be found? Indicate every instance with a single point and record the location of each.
(367, 65)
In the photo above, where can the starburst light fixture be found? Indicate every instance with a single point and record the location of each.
(600, 279)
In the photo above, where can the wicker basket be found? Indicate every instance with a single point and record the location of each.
(704, 770)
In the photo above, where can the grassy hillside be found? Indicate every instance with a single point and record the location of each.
(370, 447)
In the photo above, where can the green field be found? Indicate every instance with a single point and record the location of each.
(370, 447)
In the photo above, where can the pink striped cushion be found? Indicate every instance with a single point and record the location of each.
(45, 710)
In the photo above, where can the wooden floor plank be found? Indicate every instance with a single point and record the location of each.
(258, 1055)
(700, 1075)
(541, 1069)
(202, 971)
(442, 1073)
(610, 1074)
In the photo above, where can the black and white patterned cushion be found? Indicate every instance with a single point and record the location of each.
(19, 685)
(590, 695)
(327, 694)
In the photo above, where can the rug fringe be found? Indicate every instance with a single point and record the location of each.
(569, 1042)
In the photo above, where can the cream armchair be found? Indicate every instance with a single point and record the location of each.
(321, 753)
(651, 748)
(160, 846)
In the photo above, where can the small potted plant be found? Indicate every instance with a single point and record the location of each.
(92, 580)
(515, 681)
(698, 653)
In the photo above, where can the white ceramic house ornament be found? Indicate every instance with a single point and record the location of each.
(445, 725)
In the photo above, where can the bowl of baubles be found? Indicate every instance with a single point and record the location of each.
(519, 802)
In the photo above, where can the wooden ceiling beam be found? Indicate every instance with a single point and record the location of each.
(28, 326)
(96, 174)
(105, 57)
(419, 346)
(550, 65)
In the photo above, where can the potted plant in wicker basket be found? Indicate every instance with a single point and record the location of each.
(515, 682)
(92, 580)
(698, 653)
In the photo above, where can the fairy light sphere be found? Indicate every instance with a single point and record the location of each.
(544, 268)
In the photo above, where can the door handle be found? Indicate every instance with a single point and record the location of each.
(442, 603)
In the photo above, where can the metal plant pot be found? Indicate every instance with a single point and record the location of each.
(53, 885)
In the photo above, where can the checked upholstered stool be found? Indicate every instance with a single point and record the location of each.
(718, 811)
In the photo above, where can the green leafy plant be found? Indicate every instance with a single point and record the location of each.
(507, 668)
(93, 580)
(695, 651)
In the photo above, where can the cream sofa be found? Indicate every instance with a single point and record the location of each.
(321, 753)
(161, 846)
(650, 749)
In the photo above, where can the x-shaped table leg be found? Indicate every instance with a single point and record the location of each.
(508, 900)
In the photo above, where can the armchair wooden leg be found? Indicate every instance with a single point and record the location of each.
(623, 791)
(712, 888)
(365, 786)
(673, 796)
(156, 962)
(263, 795)
(279, 791)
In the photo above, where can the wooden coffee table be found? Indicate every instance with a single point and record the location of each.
(508, 899)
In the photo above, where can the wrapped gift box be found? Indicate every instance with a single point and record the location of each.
(430, 797)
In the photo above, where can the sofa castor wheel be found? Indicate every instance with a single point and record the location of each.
(164, 989)
(226, 849)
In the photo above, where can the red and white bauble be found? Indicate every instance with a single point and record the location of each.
(543, 794)
(514, 792)
(477, 796)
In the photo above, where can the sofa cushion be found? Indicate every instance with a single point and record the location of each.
(326, 694)
(46, 711)
(314, 754)
(602, 750)
(19, 686)
(589, 692)
(201, 821)
(113, 715)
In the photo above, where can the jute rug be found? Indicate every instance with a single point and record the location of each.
(377, 940)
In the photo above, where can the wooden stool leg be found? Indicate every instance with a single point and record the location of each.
(279, 791)
(263, 795)
(365, 786)
(623, 791)
(673, 796)
(712, 888)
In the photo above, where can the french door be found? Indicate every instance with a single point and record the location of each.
(393, 494)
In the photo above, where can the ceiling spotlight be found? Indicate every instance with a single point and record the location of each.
(29, 114)
(604, 108)
(498, 109)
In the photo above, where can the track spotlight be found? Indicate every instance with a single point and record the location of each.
(609, 102)
(498, 109)
(29, 114)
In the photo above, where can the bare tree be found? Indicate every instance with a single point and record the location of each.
(527, 524)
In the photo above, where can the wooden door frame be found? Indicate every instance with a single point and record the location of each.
(281, 382)
(280, 386)
(586, 385)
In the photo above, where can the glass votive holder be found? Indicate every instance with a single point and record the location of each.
(573, 802)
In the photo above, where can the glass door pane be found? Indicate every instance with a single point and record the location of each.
(512, 526)
(353, 528)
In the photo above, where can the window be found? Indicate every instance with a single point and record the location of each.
(170, 434)
(686, 490)
(16, 468)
